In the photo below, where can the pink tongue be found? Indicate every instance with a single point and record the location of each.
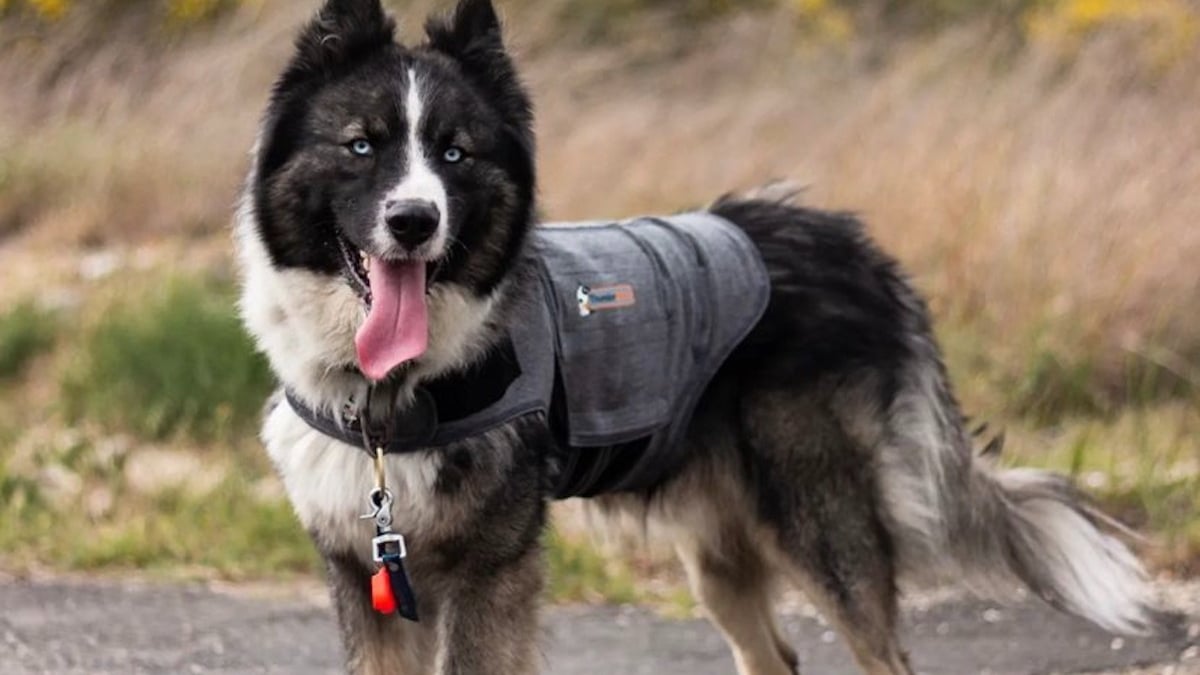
(397, 327)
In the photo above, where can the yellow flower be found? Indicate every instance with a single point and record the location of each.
(50, 10)
(1166, 29)
(188, 11)
(826, 20)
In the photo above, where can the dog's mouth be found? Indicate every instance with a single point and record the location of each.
(396, 328)
(355, 263)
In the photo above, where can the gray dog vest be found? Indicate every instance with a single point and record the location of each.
(627, 325)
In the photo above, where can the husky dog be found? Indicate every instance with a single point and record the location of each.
(385, 238)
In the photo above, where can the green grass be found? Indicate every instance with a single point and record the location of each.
(1139, 464)
(578, 573)
(1054, 387)
(618, 20)
(25, 332)
(176, 361)
(1032, 380)
(230, 530)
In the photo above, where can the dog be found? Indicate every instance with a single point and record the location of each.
(390, 257)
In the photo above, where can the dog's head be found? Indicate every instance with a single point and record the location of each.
(396, 169)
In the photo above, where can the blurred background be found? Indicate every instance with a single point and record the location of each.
(1034, 163)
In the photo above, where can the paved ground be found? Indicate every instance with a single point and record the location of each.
(125, 627)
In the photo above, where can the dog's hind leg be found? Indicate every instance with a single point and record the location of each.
(863, 610)
(733, 583)
(708, 511)
(817, 493)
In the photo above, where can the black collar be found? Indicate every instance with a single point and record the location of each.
(401, 427)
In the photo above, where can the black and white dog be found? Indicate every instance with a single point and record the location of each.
(395, 275)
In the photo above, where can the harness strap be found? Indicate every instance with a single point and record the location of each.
(442, 411)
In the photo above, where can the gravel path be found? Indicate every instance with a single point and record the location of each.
(69, 627)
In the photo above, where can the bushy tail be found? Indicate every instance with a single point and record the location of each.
(954, 514)
(1055, 544)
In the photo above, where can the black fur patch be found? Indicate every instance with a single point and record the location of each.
(472, 40)
(342, 33)
(837, 302)
(471, 36)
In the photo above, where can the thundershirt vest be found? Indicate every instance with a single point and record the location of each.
(628, 324)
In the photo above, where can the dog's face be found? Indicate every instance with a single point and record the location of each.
(395, 168)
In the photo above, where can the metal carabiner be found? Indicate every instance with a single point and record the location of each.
(379, 505)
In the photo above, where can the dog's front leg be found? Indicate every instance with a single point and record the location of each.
(489, 625)
(375, 644)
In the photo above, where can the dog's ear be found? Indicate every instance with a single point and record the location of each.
(471, 35)
(472, 27)
(341, 32)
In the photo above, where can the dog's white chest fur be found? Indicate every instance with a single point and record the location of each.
(328, 482)
(305, 323)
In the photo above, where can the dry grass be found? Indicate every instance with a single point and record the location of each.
(1044, 197)
(1042, 210)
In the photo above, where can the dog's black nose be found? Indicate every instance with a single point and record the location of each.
(412, 221)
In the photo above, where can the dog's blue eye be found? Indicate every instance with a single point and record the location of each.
(361, 147)
(453, 154)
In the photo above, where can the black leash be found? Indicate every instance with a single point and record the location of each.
(391, 590)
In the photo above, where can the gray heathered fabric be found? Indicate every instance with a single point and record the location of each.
(698, 287)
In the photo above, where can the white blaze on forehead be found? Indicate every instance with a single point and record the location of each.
(419, 180)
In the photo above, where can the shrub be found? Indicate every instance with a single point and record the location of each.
(175, 361)
(174, 11)
(25, 332)
(229, 530)
(578, 572)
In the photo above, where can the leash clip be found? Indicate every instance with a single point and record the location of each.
(379, 505)
(389, 544)
(379, 500)
(391, 589)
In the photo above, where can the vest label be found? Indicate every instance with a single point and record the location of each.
(604, 297)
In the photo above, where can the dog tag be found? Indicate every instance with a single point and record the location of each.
(382, 597)
(391, 591)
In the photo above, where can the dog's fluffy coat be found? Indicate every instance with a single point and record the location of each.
(828, 452)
